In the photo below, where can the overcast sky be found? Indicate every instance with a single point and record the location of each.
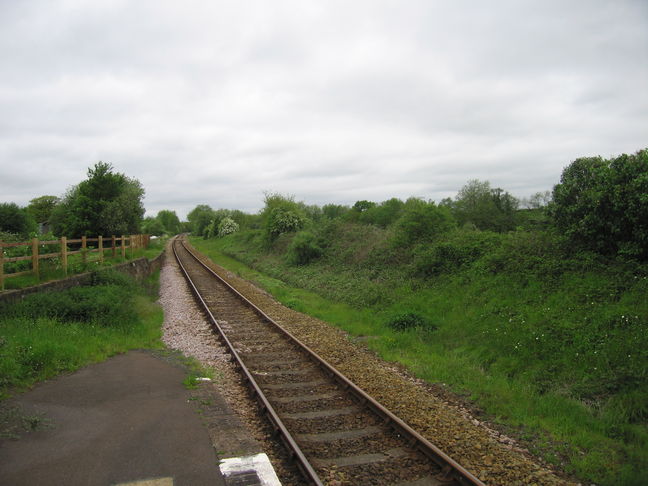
(214, 102)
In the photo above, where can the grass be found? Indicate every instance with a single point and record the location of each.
(53, 332)
(553, 350)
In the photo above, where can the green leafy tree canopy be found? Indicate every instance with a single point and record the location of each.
(106, 203)
(602, 205)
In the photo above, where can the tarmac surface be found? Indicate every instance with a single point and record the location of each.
(127, 420)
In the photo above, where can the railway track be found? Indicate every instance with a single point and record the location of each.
(329, 426)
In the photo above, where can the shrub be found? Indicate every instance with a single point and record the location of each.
(108, 302)
(410, 320)
(227, 226)
(421, 221)
(458, 249)
(602, 205)
(303, 249)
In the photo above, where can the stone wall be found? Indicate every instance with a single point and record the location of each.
(139, 269)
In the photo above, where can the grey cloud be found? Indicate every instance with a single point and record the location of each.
(216, 102)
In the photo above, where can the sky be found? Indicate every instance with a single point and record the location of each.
(217, 102)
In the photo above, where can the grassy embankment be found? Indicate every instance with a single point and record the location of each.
(51, 268)
(53, 332)
(551, 346)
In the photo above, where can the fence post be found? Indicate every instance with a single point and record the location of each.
(114, 249)
(64, 254)
(123, 247)
(35, 258)
(1, 266)
(101, 249)
(131, 244)
(84, 256)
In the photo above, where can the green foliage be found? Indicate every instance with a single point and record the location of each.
(485, 208)
(14, 219)
(170, 221)
(199, 218)
(281, 214)
(303, 249)
(453, 251)
(409, 320)
(422, 221)
(334, 211)
(546, 341)
(87, 325)
(41, 207)
(152, 226)
(106, 203)
(112, 305)
(602, 205)
(227, 226)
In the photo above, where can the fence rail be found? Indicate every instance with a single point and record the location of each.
(114, 244)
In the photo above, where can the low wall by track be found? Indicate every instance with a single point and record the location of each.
(139, 268)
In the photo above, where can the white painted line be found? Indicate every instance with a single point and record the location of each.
(258, 463)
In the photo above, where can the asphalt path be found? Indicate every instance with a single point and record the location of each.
(126, 420)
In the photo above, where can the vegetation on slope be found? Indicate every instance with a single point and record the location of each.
(544, 326)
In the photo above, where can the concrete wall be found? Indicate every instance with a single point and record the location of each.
(139, 269)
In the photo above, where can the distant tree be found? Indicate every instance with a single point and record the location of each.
(333, 211)
(106, 203)
(602, 205)
(41, 207)
(485, 208)
(16, 220)
(422, 221)
(537, 200)
(199, 218)
(170, 221)
(281, 214)
(152, 226)
(362, 206)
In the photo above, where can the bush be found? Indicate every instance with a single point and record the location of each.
(227, 226)
(422, 221)
(410, 320)
(280, 215)
(602, 205)
(458, 249)
(303, 249)
(108, 302)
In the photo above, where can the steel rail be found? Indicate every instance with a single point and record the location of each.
(450, 468)
(277, 424)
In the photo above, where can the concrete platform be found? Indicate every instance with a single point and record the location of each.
(128, 420)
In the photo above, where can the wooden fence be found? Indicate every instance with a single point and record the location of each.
(112, 244)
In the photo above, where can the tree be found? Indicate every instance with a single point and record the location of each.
(170, 221)
(538, 200)
(152, 226)
(106, 203)
(602, 205)
(14, 219)
(199, 218)
(41, 207)
(485, 208)
(422, 221)
(281, 214)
